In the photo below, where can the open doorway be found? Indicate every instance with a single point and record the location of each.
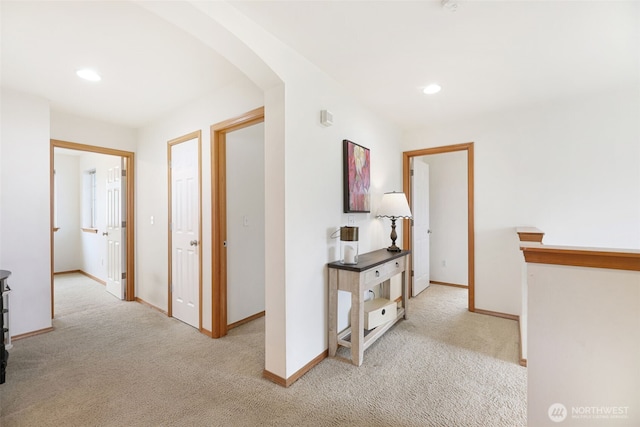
(408, 240)
(116, 234)
(237, 164)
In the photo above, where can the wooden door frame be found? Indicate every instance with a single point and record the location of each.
(130, 208)
(219, 215)
(188, 137)
(406, 229)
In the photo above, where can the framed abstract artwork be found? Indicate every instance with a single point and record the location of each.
(356, 170)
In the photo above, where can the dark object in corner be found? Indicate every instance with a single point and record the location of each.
(4, 310)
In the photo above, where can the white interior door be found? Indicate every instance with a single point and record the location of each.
(245, 222)
(116, 264)
(420, 229)
(185, 232)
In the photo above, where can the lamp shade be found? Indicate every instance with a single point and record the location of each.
(394, 205)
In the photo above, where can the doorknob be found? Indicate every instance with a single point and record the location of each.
(105, 234)
(193, 243)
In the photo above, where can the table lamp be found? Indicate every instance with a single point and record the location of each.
(394, 205)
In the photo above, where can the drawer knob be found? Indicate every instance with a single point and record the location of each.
(383, 311)
(397, 264)
(377, 273)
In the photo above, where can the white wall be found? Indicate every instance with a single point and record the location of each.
(584, 344)
(67, 254)
(275, 264)
(448, 217)
(25, 226)
(83, 130)
(569, 168)
(304, 190)
(245, 222)
(314, 202)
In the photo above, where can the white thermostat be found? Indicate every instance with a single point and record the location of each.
(326, 117)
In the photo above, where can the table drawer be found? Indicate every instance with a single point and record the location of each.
(383, 272)
(395, 267)
(378, 312)
(375, 275)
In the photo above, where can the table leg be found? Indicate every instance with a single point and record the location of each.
(333, 311)
(405, 294)
(357, 328)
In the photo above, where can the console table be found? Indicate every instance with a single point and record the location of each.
(372, 269)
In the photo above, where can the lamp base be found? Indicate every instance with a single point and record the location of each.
(394, 236)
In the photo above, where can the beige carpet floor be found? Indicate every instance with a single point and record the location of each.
(111, 363)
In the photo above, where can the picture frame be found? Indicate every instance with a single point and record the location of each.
(356, 177)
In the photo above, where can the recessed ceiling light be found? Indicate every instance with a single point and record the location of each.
(450, 5)
(432, 88)
(89, 74)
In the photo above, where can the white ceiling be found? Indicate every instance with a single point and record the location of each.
(488, 56)
(148, 66)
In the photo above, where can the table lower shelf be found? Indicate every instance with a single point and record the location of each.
(370, 335)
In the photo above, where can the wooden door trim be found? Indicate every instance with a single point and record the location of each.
(184, 138)
(406, 229)
(219, 214)
(129, 217)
